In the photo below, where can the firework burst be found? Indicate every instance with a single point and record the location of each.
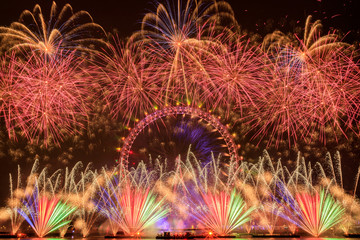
(133, 81)
(177, 33)
(67, 30)
(51, 97)
(46, 215)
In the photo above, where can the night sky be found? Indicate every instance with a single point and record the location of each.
(126, 15)
(258, 16)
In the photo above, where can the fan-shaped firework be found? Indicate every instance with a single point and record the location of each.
(218, 196)
(222, 212)
(46, 215)
(128, 201)
(314, 213)
(67, 30)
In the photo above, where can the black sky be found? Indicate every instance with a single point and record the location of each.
(125, 15)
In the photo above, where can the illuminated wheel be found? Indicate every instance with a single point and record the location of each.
(178, 110)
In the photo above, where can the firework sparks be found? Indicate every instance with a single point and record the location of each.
(222, 212)
(65, 29)
(47, 95)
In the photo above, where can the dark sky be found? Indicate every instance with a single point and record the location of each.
(125, 15)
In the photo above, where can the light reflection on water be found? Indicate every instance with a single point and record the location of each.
(101, 237)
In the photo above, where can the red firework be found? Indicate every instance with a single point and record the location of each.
(48, 96)
(237, 71)
(314, 86)
(133, 81)
(10, 92)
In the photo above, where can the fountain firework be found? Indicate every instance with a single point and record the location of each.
(46, 215)
(126, 198)
(41, 208)
(218, 195)
(315, 213)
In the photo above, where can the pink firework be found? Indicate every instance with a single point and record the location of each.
(236, 70)
(333, 91)
(133, 81)
(279, 111)
(52, 100)
(178, 33)
(314, 86)
(10, 92)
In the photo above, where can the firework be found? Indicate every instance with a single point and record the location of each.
(64, 29)
(14, 204)
(39, 206)
(48, 97)
(308, 91)
(18, 193)
(79, 190)
(222, 212)
(132, 80)
(237, 70)
(314, 213)
(312, 44)
(11, 92)
(128, 202)
(177, 34)
(46, 215)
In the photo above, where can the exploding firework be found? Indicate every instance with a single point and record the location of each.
(47, 97)
(11, 92)
(307, 89)
(178, 35)
(133, 81)
(237, 71)
(65, 30)
(312, 45)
